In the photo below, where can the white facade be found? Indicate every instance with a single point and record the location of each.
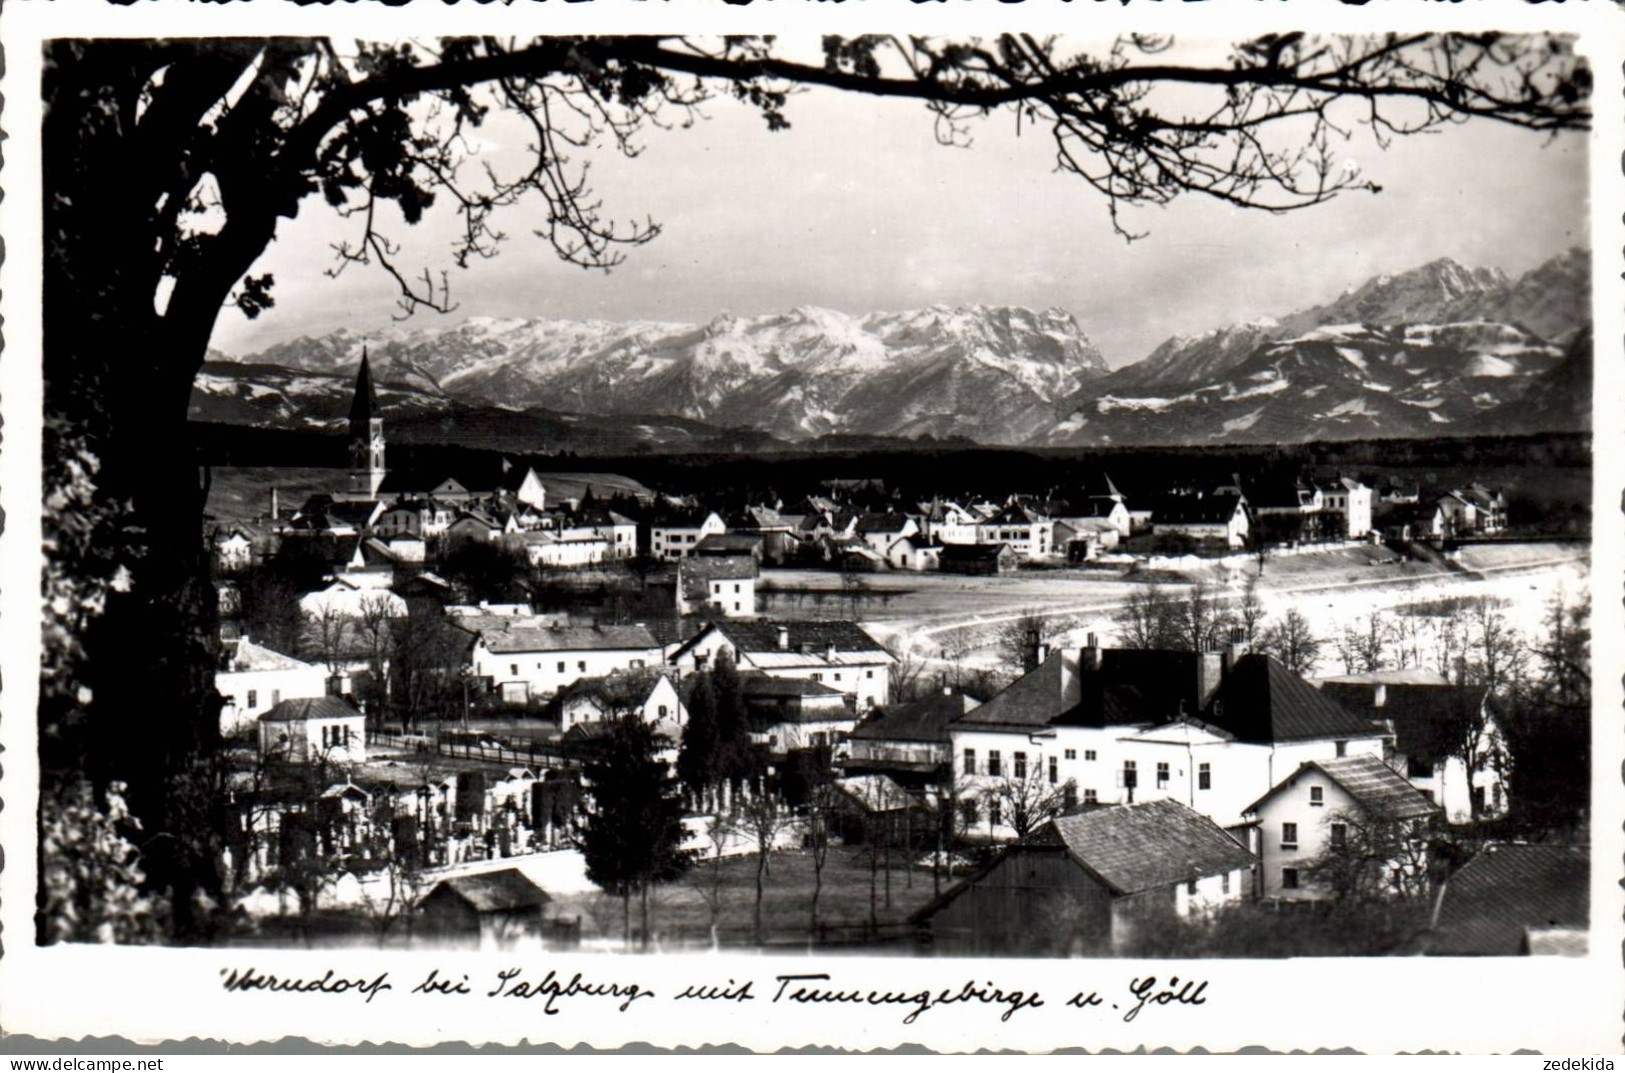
(338, 740)
(521, 675)
(864, 674)
(677, 542)
(661, 705)
(1351, 499)
(256, 685)
(554, 550)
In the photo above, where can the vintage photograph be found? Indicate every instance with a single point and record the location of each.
(1008, 496)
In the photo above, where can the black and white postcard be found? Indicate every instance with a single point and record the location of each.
(1018, 526)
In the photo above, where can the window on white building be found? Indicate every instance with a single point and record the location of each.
(1289, 836)
(513, 670)
(995, 815)
(253, 698)
(1089, 754)
(1224, 884)
(1072, 754)
(1204, 776)
(994, 763)
(1054, 771)
(970, 761)
(581, 665)
(1090, 797)
(1317, 797)
(1190, 886)
(1162, 776)
(1021, 765)
(1340, 835)
(1131, 777)
(1289, 879)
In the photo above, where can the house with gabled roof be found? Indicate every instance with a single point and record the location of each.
(253, 679)
(1220, 520)
(911, 741)
(917, 553)
(839, 654)
(648, 692)
(676, 533)
(497, 910)
(1314, 814)
(520, 661)
(312, 729)
(1087, 883)
(720, 584)
(1028, 532)
(1515, 899)
(879, 531)
(787, 714)
(1446, 737)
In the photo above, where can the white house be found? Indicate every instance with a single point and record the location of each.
(1212, 730)
(674, 535)
(1029, 533)
(253, 679)
(1326, 808)
(314, 729)
(838, 654)
(524, 661)
(718, 583)
(880, 531)
(1431, 723)
(594, 700)
(1216, 519)
(233, 550)
(1351, 499)
(948, 523)
(915, 553)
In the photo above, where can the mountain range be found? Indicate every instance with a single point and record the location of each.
(1438, 349)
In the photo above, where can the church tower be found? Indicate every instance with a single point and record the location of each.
(366, 436)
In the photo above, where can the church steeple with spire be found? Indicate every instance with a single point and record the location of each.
(366, 435)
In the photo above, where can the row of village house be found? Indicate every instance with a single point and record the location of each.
(939, 535)
(1256, 751)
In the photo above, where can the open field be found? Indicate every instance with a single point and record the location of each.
(930, 613)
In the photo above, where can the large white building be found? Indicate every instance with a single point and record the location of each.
(523, 661)
(253, 679)
(838, 654)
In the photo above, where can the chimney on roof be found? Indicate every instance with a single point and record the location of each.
(1034, 650)
(784, 638)
(275, 509)
(1092, 654)
(1380, 697)
(829, 652)
(1210, 671)
(1233, 651)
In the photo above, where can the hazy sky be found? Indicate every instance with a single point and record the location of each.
(857, 208)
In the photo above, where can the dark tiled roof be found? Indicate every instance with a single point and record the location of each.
(926, 719)
(489, 892)
(814, 636)
(1145, 846)
(567, 638)
(687, 518)
(1427, 719)
(703, 568)
(1488, 906)
(1032, 700)
(303, 709)
(1376, 788)
(620, 689)
(728, 543)
(881, 523)
(1136, 686)
(1015, 514)
(1195, 510)
(1262, 701)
